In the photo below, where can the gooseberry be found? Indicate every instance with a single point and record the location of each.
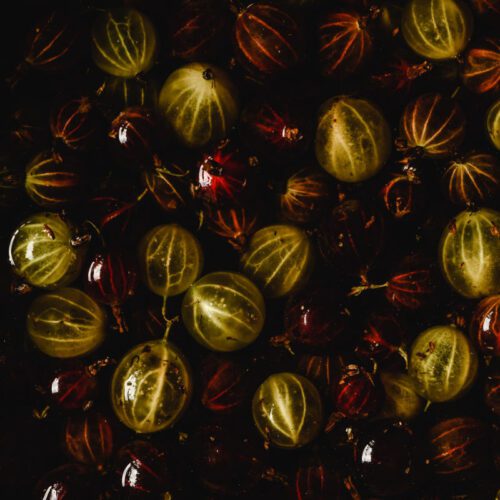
(42, 253)
(305, 196)
(437, 30)
(269, 40)
(443, 363)
(223, 311)
(481, 71)
(170, 258)
(225, 176)
(53, 180)
(278, 259)
(401, 398)
(140, 470)
(123, 42)
(200, 103)
(475, 179)
(344, 43)
(66, 323)
(485, 326)
(76, 123)
(151, 386)
(88, 438)
(468, 253)
(458, 448)
(287, 410)
(353, 139)
(433, 126)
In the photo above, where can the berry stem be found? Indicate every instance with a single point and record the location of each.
(358, 290)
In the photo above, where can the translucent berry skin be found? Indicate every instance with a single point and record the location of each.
(53, 180)
(88, 438)
(224, 177)
(111, 278)
(134, 133)
(442, 363)
(278, 129)
(458, 448)
(76, 124)
(344, 43)
(235, 224)
(141, 470)
(413, 284)
(382, 338)
(485, 326)
(432, 125)
(403, 197)
(72, 389)
(316, 317)
(306, 196)
(53, 43)
(74, 481)
(268, 40)
(223, 384)
(355, 395)
(168, 185)
(481, 70)
(199, 30)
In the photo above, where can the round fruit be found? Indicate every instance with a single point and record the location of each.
(353, 139)
(468, 253)
(141, 470)
(134, 133)
(52, 180)
(481, 71)
(41, 251)
(278, 259)
(200, 103)
(66, 323)
(223, 311)
(344, 43)
(433, 126)
(76, 124)
(316, 317)
(287, 410)
(437, 30)
(458, 448)
(123, 42)
(355, 394)
(53, 42)
(88, 438)
(151, 386)
(485, 326)
(268, 40)
(170, 258)
(401, 397)
(306, 194)
(443, 363)
(475, 179)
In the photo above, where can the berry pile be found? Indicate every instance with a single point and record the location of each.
(250, 249)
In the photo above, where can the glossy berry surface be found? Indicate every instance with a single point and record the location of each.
(140, 469)
(309, 320)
